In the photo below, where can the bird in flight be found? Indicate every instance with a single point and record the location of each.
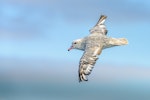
(92, 45)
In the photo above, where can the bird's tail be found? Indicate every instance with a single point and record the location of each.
(115, 42)
(119, 41)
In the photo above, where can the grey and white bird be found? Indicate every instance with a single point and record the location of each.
(92, 45)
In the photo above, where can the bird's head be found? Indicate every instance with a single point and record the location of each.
(77, 44)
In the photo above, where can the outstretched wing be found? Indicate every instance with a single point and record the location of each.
(88, 61)
(100, 27)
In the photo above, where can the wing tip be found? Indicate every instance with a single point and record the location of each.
(102, 19)
(103, 16)
(82, 77)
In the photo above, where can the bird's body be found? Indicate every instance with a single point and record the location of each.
(92, 45)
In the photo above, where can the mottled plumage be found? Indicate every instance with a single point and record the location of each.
(92, 45)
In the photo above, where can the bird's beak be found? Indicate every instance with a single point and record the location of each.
(70, 48)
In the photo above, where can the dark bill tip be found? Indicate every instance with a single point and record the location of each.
(70, 48)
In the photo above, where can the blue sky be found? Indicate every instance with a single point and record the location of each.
(44, 29)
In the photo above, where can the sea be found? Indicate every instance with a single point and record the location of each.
(74, 91)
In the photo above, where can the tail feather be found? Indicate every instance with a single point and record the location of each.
(115, 42)
(120, 41)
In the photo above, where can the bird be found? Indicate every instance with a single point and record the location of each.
(92, 45)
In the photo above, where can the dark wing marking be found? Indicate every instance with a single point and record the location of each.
(101, 20)
(100, 27)
(88, 61)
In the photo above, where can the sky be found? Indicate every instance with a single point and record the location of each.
(31, 29)
(42, 31)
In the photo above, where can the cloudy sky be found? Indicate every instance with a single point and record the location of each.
(44, 29)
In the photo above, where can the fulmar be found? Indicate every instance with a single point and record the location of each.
(92, 45)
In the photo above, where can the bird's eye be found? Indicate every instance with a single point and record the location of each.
(75, 42)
